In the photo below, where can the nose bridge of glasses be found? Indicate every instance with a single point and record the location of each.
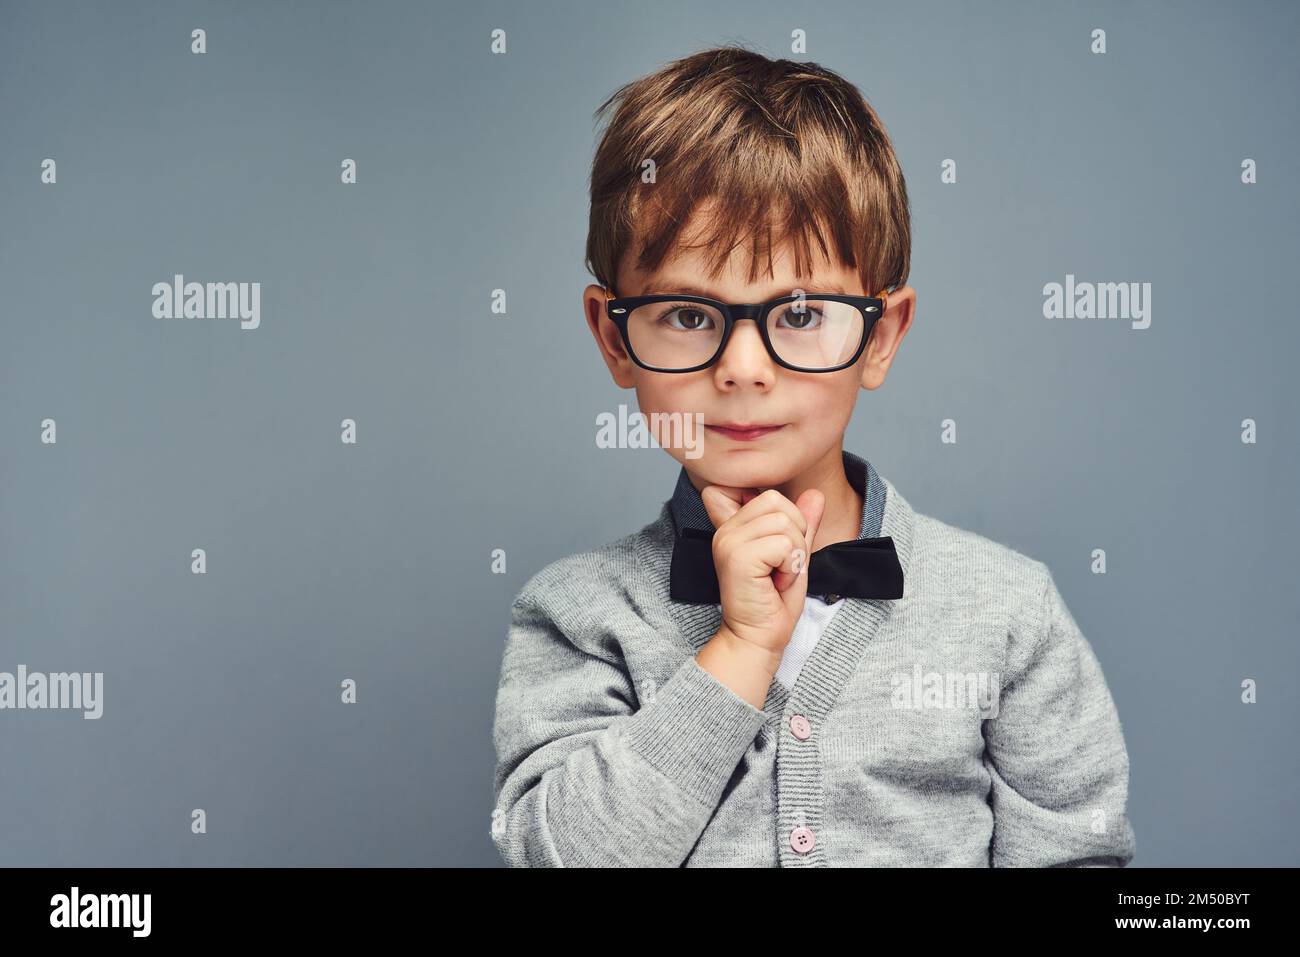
(747, 310)
(740, 312)
(761, 347)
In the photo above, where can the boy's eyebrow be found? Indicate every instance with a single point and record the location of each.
(686, 289)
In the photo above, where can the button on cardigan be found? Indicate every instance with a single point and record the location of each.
(615, 748)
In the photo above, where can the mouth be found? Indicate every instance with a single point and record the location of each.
(743, 432)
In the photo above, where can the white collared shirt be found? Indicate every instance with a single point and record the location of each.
(814, 618)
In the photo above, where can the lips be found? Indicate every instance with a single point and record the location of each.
(743, 432)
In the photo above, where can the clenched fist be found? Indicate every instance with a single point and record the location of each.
(761, 550)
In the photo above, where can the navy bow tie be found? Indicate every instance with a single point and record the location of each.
(863, 568)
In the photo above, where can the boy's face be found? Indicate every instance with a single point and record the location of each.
(745, 385)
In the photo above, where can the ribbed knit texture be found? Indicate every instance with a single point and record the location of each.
(615, 748)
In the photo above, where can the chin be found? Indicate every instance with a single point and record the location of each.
(747, 468)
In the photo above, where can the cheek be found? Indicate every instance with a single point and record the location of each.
(666, 393)
(651, 396)
(829, 404)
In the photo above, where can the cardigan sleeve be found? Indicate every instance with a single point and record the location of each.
(1055, 752)
(586, 778)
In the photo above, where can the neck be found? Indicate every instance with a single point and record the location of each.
(842, 520)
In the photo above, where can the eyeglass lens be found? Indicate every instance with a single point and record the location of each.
(809, 333)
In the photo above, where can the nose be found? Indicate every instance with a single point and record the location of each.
(745, 362)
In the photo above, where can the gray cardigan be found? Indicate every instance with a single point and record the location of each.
(615, 748)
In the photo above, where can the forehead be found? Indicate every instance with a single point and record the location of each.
(746, 274)
(687, 272)
(756, 292)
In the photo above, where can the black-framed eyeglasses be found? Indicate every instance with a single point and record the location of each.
(810, 332)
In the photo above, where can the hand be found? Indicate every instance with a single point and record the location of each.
(761, 550)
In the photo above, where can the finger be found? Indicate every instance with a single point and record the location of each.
(762, 556)
(772, 501)
(721, 502)
(794, 596)
(784, 578)
(774, 523)
(812, 505)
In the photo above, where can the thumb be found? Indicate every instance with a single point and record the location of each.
(812, 503)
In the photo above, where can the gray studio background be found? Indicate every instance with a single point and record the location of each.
(476, 431)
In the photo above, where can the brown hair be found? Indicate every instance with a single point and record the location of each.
(780, 145)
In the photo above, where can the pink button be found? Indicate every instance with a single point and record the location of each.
(800, 727)
(802, 840)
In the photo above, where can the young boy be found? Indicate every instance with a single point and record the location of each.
(788, 666)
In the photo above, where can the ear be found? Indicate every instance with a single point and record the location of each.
(887, 335)
(608, 338)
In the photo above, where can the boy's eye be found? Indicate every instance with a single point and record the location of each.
(688, 319)
(795, 317)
